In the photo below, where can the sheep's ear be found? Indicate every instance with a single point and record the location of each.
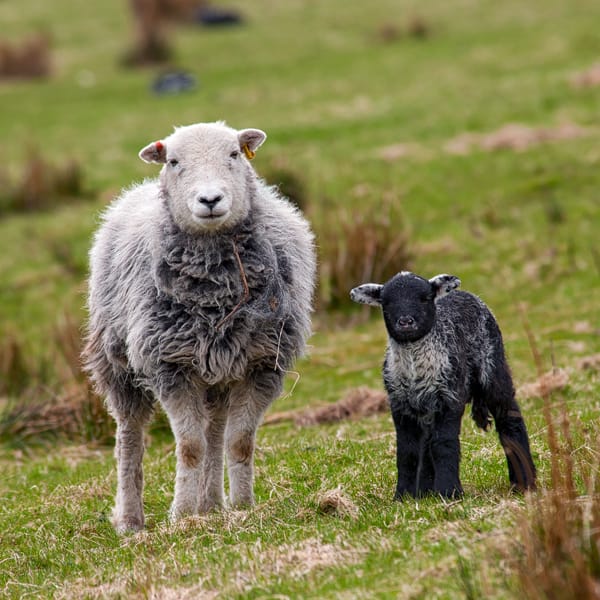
(250, 140)
(443, 284)
(156, 152)
(368, 293)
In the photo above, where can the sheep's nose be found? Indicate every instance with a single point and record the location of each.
(210, 201)
(406, 321)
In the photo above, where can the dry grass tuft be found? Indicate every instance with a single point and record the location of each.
(29, 59)
(356, 404)
(359, 247)
(336, 503)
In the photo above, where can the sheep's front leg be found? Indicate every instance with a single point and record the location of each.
(212, 494)
(445, 453)
(186, 419)
(248, 402)
(131, 413)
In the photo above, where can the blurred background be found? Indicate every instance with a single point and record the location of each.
(457, 137)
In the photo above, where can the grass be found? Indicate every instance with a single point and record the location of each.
(364, 121)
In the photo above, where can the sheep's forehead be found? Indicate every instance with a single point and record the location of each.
(405, 285)
(201, 137)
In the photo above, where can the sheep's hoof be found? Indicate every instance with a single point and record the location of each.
(128, 524)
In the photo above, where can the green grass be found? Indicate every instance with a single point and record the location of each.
(519, 228)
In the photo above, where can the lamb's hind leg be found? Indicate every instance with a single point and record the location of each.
(185, 412)
(247, 404)
(131, 410)
(499, 397)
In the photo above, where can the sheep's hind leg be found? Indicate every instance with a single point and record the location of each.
(247, 404)
(131, 411)
(185, 416)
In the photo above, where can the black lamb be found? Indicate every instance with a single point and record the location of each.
(445, 350)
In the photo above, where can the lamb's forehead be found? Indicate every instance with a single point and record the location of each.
(201, 135)
(405, 283)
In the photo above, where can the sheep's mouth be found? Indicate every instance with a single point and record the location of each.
(407, 333)
(213, 215)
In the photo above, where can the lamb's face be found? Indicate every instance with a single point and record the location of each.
(206, 174)
(407, 301)
(408, 304)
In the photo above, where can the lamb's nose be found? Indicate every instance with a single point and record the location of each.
(210, 201)
(406, 321)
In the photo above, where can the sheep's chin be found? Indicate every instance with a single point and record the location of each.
(210, 223)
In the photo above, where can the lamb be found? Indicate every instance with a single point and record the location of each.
(200, 295)
(445, 350)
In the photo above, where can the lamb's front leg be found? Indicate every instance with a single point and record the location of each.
(408, 436)
(248, 402)
(445, 453)
(186, 418)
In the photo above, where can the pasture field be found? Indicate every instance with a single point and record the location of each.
(465, 136)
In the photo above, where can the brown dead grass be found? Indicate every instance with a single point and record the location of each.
(356, 404)
(589, 363)
(513, 136)
(336, 503)
(553, 380)
(588, 78)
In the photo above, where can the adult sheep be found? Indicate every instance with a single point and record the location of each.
(445, 349)
(200, 295)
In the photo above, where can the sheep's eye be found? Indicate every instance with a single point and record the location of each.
(234, 154)
(173, 162)
(425, 299)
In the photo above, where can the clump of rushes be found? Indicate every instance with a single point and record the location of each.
(27, 59)
(41, 184)
(50, 397)
(560, 528)
(372, 245)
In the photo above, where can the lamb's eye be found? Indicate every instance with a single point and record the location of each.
(425, 299)
(173, 162)
(234, 154)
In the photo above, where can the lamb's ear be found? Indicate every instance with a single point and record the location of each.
(250, 140)
(156, 152)
(368, 293)
(443, 284)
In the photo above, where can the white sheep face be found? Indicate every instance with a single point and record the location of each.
(206, 174)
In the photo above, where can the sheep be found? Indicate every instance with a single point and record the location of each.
(444, 350)
(200, 294)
